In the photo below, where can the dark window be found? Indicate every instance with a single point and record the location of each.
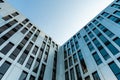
(96, 31)
(42, 71)
(105, 14)
(3, 68)
(15, 14)
(23, 76)
(87, 78)
(91, 25)
(29, 25)
(33, 29)
(66, 64)
(114, 19)
(45, 38)
(25, 21)
(97, 58)
(32, 78)
(104, 53)
(91, 35)
(8, 25)
(65, 54)
(75, 58)
(36, 66)
(24, 30)
(116, 6)
(96, 76)
(115, 69)
(69, 52)
(78, 72)
(83, 64)
(72, 74)
(86, 28)
(8, 17)
(7, 48)
(29, 62)
(66, 76)
(90, 46)
(113, 49)
(35, 50)
(70, 61)
(73, 48)
(100, 18)
(117, 41)
(76, 45)
(34, 37)
(1, 1)
(23, 57)
(45, 57)
(30, 45)
(78, 35)
(95, 22)
(86, 38)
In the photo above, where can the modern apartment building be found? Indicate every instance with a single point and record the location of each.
(27, 53)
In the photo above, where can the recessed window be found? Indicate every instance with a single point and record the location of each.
(7, 48)
(66, 76)
(105, 14)
(100, 18)
(115, 69)
(87, 78)
(66, 64)
(23, 76)
(24, 30)
(72, 74)
(3, 68)
(42, 71)
(79, 77)
(15, 14)
(90, 46)
(117, 41)
(8, 17)
(116, 6)
(35, 50)
(25, 21)
(29, 62)
(75, 58)
(96, 76)
(97, 58)
(70, 61)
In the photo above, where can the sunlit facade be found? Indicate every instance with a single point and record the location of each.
(93, 53)
(27, 53)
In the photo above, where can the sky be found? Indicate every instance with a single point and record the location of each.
(60, 19)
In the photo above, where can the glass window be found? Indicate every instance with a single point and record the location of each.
(100, 18)
(34, 28)
(86, 38)
(42, 71)
(78, 72)
(66, 76)
(117, 41)
(96, 31)
(117, 13)
(96, 76)
(29, 25)
(45, 38)
(3, 68)
(1, 1)
(113, 49)
(24, 30)
(72, 74)
(91, 35)
(23, 57)
(116, 6)
(104, 53)
(83, 64)
(78, 35)
(32, 78)
(109, 33)
(86, 28)
(75, 58)
(105, 14)
(8, 17)
(65, 54)
(7, 48)
(29, 62)
(66, 64)
(91, 25)
(114, 18)
(87, 78)
(95, 22)
(69, 52)
(30, 45)
(35, 50)
(15, 14)
(77, 45)
(25, 21)
(97, 58)
(73, 48)
(36, 66)
(70, 61)
(23, 76)
(115, 69)
(90, 46)
(34, 38)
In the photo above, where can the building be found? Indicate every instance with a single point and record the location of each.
(27, 53)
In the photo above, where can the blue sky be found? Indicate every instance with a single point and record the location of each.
(60, 19)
